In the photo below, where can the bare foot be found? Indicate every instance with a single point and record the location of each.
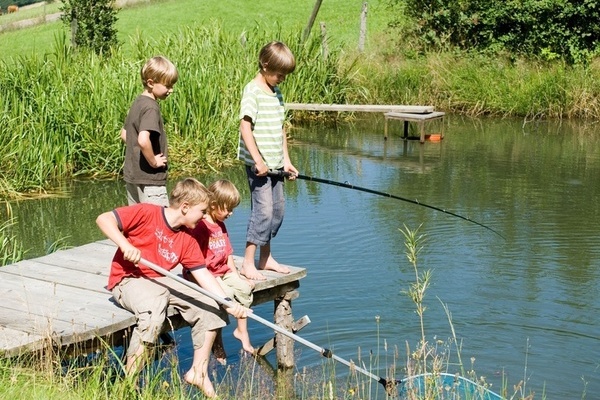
(202, 382)
(218, 349)
(273, 265)
(245, 339)
(250, 272)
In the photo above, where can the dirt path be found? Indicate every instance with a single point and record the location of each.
(43, 19)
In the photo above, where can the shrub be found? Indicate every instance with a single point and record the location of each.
(92, 23)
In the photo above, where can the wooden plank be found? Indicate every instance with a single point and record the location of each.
(270, 344)
(94, 257)
(414, 117)
(52, 310)
(18, 341)
(90, 280)
(359, 108)
(273, 278)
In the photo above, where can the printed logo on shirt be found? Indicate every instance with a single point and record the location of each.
(165, 243)
(217, 243)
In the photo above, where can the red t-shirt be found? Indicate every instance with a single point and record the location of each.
(146, 227)
(215, 245)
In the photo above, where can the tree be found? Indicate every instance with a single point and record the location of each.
(92, 23)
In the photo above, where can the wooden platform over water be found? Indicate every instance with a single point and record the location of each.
(60, 300)
(360, 108)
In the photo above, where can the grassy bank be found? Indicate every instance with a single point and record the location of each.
(62, 109)
(62, 112)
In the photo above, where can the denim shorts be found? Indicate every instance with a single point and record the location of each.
(267, 207)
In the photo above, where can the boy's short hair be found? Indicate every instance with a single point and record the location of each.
(160, 70)
(224, 195)
(276, 57)
(189, 190)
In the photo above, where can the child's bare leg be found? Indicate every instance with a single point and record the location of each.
(241, 334)
(266, 261)
(198, 373)
(136, 362)
(218, 349)
(248, 268)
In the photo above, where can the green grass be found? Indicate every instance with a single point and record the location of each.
(158, 18)
(27, 12)
(61, 109)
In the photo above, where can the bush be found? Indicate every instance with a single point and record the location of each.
(550, 29)
(92, 23)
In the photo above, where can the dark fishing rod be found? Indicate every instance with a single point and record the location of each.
(281, 174)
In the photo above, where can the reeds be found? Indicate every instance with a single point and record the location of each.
(61, 113)
(11, 250)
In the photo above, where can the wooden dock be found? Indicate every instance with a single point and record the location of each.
(405, 113)
(419, 119)
(360, 108)
(59, 301)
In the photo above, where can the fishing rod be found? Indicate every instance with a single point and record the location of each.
(282, 174)
(388, 385)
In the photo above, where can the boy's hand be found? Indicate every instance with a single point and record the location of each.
(238, 310)
(159, 161)
(261, 169)
(131, 253)
(292, 170)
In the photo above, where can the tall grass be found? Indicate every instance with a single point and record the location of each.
(62, 112)
(11, 250)
(477, 85)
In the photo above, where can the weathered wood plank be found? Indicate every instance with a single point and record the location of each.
(359, 108)
(420, 119)
(53, 310)
(404, 116)
(19, 341)
(94, 257)
(273, 278)
(92, 280)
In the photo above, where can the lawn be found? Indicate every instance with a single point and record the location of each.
(155, 18)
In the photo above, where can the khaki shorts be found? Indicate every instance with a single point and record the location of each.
(149, 299)
(237, 288)
(152, 194)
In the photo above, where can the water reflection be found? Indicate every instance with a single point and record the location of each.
(528, 305)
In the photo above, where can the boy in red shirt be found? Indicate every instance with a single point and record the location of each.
(161, 235)
(215, 245)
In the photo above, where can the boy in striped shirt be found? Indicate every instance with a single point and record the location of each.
(263, 147)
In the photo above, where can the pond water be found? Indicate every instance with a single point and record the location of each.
(526, 304)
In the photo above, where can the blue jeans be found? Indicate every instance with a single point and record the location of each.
(267, 207)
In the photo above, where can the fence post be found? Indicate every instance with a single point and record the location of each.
(363, 28)
(324, 45)
(311, 20)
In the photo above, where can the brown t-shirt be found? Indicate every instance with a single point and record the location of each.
(144, 115)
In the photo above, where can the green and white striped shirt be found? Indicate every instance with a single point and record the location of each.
(267, 113)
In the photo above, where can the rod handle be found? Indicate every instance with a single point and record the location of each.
(278, 173)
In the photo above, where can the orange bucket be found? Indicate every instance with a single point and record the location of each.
(434, 137)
